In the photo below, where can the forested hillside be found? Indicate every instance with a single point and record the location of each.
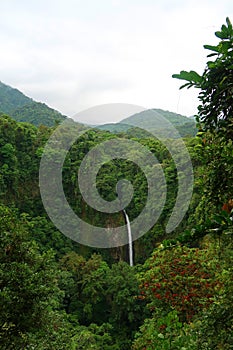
(37, 113)
(147, 121)
(11, 99)
(58, 294)
(24, 109)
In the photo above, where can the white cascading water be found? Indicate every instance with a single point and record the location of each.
(129, 238)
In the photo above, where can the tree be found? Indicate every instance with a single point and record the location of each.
(213, 328)
(216, 85)
(98, 294)
(180, 279)
(215, 119)
(29, 295)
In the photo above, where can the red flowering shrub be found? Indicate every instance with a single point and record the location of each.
(180, 278)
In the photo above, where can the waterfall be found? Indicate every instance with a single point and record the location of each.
(129, 238)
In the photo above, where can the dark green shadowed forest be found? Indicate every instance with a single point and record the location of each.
(58, 294)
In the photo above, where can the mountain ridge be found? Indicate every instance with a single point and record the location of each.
(154, 121)
(24, 109)
(12, 98)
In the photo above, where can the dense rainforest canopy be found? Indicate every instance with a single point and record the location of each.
(58, 294)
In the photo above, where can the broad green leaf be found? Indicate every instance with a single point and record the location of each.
(221, 35)
(212, 48)
(191, 76)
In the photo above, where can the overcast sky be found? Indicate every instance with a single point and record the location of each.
(75, 54)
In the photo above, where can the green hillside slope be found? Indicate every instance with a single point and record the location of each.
(150, 120)
(11, 99)
(146, 122)
(37, 113)
(25, 109)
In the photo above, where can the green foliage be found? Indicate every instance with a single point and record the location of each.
(118, 169)
(37, 113)
(48, 237)
(164, 333)
(180, 278)
(10, 99)
(56, 294)
(212, 328)
(100, 294)
(215, 124)
(148, 120)
(18, 162)
(29, 289)
(22, 146)
(24, 109)
(145, 122)
(193, 77)
(216, 178)
(94, 337)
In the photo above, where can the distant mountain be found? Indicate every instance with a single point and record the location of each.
(141, 119)
(154, 120)
(24, 109)
(151, 121)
